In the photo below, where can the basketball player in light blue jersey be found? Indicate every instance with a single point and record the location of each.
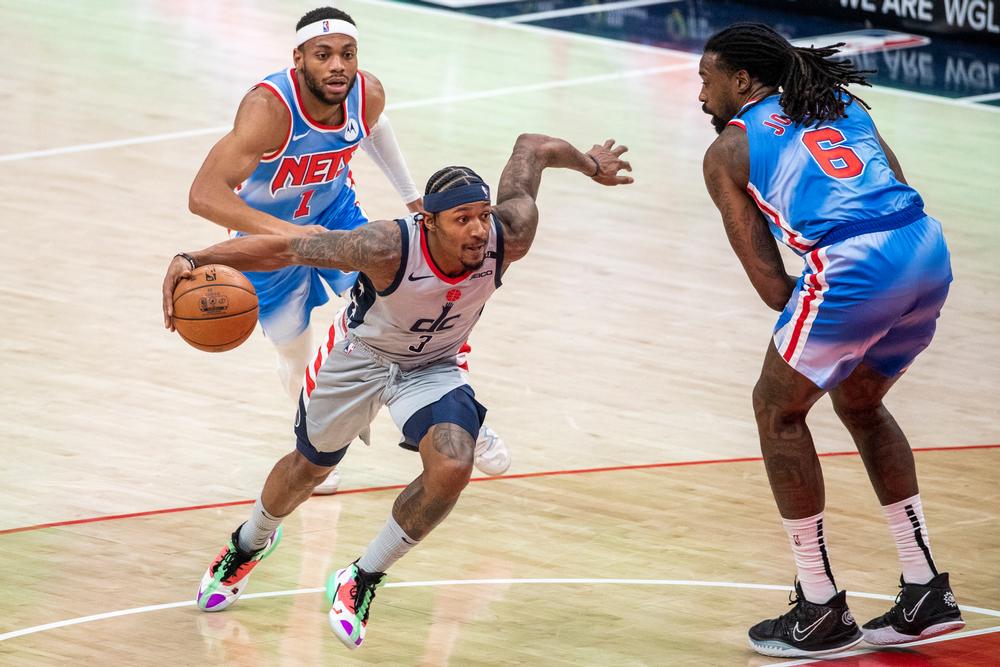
(798, 159)
(285, 169)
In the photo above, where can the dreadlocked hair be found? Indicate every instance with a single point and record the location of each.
(813, 88)
(451, 177)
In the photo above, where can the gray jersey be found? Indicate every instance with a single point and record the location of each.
(424, 316)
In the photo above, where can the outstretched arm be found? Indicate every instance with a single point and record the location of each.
(727, 172)
(374, 249)
(522, 176)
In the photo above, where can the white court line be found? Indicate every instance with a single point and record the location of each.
(988, 97)
(413, 104)
(586, 9)
(470, 582)
(461, 4)
(606, 41)
(869, 651)
(691, 57)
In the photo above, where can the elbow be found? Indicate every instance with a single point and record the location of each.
(197, 203)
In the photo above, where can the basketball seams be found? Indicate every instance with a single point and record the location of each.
(213, 319)
(212, 348)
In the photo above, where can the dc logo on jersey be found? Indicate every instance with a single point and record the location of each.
(352, 131)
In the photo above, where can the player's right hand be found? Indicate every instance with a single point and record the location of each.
(179, 269)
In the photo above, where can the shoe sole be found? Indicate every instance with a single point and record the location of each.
(779, 649)
(889, 636)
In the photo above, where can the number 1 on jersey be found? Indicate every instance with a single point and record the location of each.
(825, 144)
(303, 209)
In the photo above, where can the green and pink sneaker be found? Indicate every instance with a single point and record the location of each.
(226, 578)
(350, 592)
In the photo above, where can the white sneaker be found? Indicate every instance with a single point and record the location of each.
(329, 485)
(492, 455)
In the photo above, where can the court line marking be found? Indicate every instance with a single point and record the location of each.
(413, 104)
(988, 97)
(870, 651)
(585, 9)
(461, 582)
(647, 48)
(522, 475)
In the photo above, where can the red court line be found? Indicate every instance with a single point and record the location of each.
(976, 651)
(526, 475)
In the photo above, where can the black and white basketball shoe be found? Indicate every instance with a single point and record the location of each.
(808, 629)
(921, 611)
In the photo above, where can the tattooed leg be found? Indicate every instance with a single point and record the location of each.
(883, 447)
(447, 454)
(781, 400)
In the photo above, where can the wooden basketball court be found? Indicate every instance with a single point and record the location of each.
(635, 527)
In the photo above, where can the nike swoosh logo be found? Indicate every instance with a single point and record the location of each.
(413, 277)
(296, 137)
(800, 634)
(913, 612)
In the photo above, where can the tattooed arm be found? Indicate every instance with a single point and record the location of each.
(374, 249)
(521, 177)
(727, 172)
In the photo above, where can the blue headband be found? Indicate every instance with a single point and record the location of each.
(442, 201)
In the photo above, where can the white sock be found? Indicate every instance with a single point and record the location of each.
(255, 532)
(293, 357)
(811, 560)
(906, 523)
(389, 545)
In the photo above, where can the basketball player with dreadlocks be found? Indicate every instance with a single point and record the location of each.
(285, 169)
(423, 283)
(798, 150)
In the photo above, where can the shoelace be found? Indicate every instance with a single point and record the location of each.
(364, 592)
(231, 562)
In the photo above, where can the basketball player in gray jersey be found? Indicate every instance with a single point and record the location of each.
(424, 282)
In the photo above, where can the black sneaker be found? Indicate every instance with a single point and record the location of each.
(808, 629)
(921, 611)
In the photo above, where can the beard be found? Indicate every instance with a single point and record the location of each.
(472, 267)
(316, 88)
(718, 123)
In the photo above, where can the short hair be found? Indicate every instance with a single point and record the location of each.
(321, 13)
(451, 177)
(813, 87)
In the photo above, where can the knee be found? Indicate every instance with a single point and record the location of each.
(858, 411)
(772, 409)
(306, 473)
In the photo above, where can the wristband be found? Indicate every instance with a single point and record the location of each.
(597, 166)
(189, 258)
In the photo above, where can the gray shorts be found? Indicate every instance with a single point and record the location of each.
(339, 402)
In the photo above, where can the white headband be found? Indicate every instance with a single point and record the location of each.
(325, 27)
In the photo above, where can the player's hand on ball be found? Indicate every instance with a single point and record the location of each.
(179, 269)
(609, 163)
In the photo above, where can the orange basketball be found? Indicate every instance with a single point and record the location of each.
(216, 310)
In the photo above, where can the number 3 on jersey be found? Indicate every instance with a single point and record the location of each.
(825, 144)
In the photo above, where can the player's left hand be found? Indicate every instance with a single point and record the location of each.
(416, 206)
(178, 270)
(609, 163)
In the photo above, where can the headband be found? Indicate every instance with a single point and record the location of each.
(442, 201)
(325, 27)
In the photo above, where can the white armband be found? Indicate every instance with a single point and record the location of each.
(381, 145)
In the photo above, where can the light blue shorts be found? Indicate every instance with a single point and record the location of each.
(287, 296)
(873, 298)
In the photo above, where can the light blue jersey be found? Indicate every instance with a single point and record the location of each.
(813, 181)
(877, 268)
(306, 182)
